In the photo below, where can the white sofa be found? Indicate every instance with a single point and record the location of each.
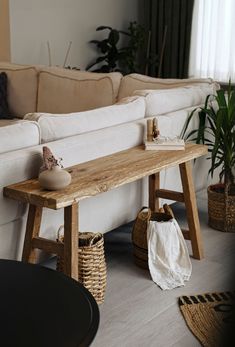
(73, 113)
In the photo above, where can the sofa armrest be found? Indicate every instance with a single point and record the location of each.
(15, 135)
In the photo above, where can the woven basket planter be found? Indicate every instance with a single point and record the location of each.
(139, 234)
(91, 263)
(220, 217)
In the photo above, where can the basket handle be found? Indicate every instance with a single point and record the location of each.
(167, 209)
(59, 233)
(93, 239)
(148, 215)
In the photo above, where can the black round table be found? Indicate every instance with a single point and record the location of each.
(40, 307)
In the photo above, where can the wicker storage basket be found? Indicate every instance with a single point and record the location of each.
(91, 263)
(139, 233)
(219, 218)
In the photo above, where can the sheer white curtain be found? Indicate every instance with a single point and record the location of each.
(212, 52)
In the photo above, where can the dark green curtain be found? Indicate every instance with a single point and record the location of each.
(171, 19)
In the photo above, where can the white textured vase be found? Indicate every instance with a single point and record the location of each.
(54, 179)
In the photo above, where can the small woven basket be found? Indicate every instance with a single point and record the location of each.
(221, 217)
(139, 232)
(91, 263)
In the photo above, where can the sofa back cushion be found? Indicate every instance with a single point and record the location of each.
(17, 134)
(64, 91)
(21, 88)
(57, 126)
(163, 101)
(133, 82)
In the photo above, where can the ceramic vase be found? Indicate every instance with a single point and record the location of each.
(54, 179)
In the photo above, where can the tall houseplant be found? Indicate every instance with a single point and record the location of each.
(116, 58)
(217, 130)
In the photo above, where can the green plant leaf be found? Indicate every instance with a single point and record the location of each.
(113, 37)
(104, 46)
(185, 127)
(217, 130)
(221, 100)
(98, 60)
(103, 27)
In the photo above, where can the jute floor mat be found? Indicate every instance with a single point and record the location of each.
(209, 316)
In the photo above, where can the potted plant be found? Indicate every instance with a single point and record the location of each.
(217, 130)
(114, 57)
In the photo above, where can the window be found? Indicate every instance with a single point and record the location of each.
(212, 52)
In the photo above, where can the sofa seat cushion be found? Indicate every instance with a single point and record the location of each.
(169, 100)
(57, 126)
(17, 134)
(64, 91)
(21, 88)
(133, 82)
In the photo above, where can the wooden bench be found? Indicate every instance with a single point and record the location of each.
(98, 176)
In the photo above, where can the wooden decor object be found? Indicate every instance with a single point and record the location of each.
(156, 131)
(149, 129)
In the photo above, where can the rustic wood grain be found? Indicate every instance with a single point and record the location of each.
(154, 184)
(103, 174)
(48, 246)
(32, 230)
(170, 194)
(191, 209)
(71, 241)
(186, 234)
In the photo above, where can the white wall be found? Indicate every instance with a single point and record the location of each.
(34, 22)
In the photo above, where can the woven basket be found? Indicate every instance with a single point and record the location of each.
(91, 263)
(139, 233)
(220, 217)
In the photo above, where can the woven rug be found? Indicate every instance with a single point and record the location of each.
(209, 316)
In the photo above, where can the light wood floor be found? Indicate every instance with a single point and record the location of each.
(136, 312)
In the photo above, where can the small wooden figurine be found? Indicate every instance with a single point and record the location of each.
(156, 132)
(149, 129)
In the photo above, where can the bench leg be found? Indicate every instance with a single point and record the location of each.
(191, 209)
(32, 230)
(71, 241)
(154, 184)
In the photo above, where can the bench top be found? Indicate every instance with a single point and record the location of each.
(103, 174)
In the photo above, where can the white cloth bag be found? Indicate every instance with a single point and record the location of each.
(168, 257)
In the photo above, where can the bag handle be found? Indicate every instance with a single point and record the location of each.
(92, 240)
(167, 209)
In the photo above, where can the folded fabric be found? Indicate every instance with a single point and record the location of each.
(168, 257)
